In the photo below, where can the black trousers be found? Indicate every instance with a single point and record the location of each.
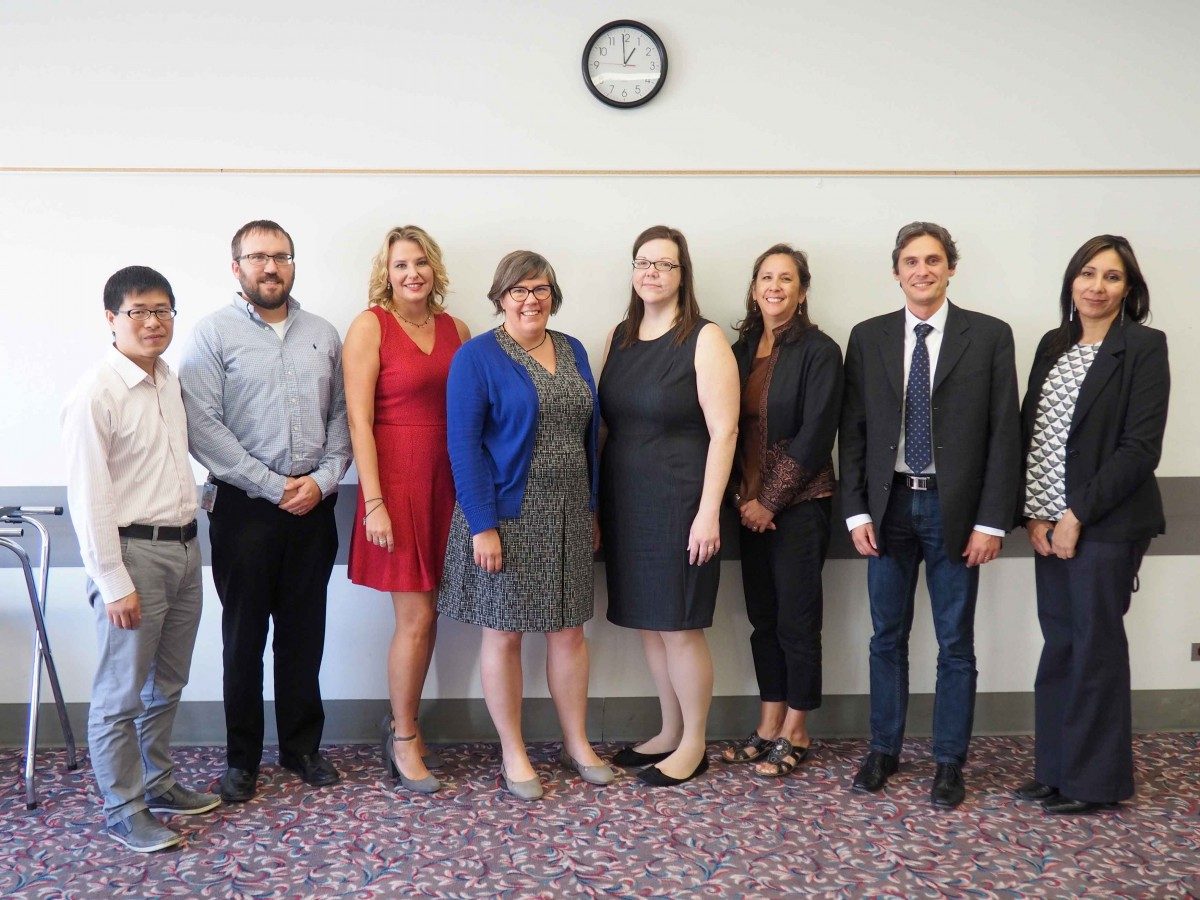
(271, 565)
(1083, 719)
(781, 578)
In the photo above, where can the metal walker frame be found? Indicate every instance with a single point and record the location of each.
(12, 518)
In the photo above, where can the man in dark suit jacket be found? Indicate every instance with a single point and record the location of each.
(930, 471)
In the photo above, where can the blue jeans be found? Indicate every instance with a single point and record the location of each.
(912, 533)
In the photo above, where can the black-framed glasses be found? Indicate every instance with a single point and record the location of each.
(541, 292)
(260, 259)
(660, 265)
(142, 315)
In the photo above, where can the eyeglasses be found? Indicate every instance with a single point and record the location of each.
(142, 315)
(541, 292)
(660, 265)
(260, 259)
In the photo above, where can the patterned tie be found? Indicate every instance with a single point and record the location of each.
(918, 429)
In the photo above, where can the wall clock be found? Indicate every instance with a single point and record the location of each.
(624, 64)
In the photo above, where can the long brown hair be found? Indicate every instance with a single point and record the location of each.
(689, 309)
(1135, 306)
(800, 322)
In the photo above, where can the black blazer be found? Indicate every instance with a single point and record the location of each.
(1116, 434)
(804, 399)
(976, 427)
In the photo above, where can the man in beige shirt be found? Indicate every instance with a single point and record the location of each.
(132, 500)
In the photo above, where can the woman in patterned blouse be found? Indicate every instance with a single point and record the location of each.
(1093, 419)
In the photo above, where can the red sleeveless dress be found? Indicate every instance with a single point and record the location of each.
(414, 466)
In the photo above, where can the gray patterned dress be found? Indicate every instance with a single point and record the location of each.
(546, 580)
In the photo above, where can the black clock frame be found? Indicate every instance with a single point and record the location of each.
(662, 54)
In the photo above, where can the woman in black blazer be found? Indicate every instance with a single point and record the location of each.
(782, 480)
(1093, 420)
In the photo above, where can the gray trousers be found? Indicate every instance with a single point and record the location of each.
(140, 674)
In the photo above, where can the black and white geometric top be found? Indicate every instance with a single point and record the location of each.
(1046, 469)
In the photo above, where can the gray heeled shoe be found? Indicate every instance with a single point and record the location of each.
(431, 758)
(601, 774)
(427, 785)
(530, 789)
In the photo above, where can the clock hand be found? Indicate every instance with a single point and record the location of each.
(629, 57)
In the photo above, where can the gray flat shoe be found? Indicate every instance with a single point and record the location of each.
(530, 789)
(591, 774)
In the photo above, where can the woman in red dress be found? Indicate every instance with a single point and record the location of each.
(395, 362)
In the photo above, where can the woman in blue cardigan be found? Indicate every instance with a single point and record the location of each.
(522, 425)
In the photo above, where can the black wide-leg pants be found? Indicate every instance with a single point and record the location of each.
(271, 565)
(1083, 717)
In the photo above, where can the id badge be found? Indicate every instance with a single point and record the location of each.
(208, 496)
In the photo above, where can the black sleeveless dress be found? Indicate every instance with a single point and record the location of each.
(651, 478)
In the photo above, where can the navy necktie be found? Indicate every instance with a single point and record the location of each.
(918, 427)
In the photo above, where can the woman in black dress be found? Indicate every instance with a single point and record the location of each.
(669, 398)
(1094, 417)
(781, 487)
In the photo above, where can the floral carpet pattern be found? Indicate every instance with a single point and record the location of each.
(729, 833)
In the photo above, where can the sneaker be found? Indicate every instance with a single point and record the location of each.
(143, 833)
(179, 801)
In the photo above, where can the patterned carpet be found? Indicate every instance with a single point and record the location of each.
(728, 834)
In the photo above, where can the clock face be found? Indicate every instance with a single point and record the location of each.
(624, 64)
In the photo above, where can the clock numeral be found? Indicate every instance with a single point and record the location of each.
(637, 89)
(612, 41)
(648, 50)
(611, 88)
(653, 66)
(649, 81)
(595, 63)
(603, 51)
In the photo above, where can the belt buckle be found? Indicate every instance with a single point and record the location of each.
(918, 482)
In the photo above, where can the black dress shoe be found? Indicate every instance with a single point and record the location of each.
(238, 785)
(313, 768)
(1065, 806)
(875, 771)
(629, 758)
(1035, 791)
(656, 777)
(948, 788)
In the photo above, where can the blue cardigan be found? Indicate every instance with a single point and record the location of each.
(491, 420)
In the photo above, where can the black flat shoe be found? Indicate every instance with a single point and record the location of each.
(629, 758)
(1065, 806)
(656, 777)
(948, 787)
(1035, 791)
(238, 785)
(876, 769)
(314, 769)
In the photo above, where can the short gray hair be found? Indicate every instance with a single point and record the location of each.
(914, 230)
(518, 266)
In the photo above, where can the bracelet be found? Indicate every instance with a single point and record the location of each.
(378, 501)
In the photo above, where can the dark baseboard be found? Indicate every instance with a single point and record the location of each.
(610, 718)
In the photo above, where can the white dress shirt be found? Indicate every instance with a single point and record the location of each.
(933, 343)
(127, 462)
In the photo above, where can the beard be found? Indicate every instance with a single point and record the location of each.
(253, 295)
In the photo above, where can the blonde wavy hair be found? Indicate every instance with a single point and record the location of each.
(379, 289)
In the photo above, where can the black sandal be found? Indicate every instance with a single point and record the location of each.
(749, 750)
(784, 756)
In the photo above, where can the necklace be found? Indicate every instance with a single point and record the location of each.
(534, 347)
(428, 316)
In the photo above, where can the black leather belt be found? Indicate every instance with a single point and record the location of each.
(178, 533)
(917, 482)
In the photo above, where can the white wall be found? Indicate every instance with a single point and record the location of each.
(497, 85)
